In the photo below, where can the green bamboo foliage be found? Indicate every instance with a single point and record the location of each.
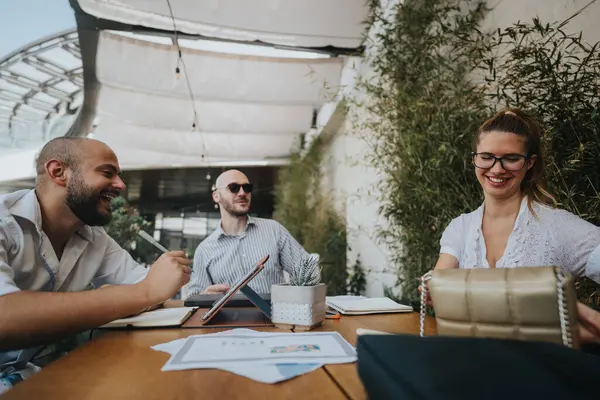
(439, 78)
(308, 213)
(428, 110)
(556, 77)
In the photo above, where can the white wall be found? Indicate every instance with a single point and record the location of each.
(353, 183)
(358, 183)
(508, 12)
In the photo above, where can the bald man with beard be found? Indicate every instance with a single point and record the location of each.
(240, 241)
(53, 248)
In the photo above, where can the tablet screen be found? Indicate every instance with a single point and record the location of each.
(247, 278)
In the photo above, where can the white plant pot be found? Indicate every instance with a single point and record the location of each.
(299, 306)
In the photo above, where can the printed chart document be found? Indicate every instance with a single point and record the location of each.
(263, 356)
(161, 317)
(359, 305)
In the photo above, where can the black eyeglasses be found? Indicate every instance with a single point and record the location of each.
(509, 162)
(235, 187)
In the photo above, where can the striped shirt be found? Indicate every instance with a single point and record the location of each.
(223, 258)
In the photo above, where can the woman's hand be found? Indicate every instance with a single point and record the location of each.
(589, 324)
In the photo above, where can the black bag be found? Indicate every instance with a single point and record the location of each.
(413, 367)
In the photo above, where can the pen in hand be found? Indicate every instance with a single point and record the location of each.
(154, 242)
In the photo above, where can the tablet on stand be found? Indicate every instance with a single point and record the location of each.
(217, 316)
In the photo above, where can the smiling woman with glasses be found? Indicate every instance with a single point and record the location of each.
(518, 223)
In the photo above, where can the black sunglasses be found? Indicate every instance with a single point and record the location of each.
(235, 187)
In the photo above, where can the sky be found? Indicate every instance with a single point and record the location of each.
(25, 21)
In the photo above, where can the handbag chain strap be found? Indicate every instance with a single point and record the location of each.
(563, 309)
(424, 279)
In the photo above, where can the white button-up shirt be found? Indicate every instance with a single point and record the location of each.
(28, 261)
(550, 237)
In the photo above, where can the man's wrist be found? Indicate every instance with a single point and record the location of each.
(146, 295)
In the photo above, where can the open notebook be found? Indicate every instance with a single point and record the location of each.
(358, 305)
(161, 317)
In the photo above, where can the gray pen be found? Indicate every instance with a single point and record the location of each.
(153, 241)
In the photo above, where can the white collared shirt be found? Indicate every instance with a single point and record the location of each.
(553, 237)
(28, 260)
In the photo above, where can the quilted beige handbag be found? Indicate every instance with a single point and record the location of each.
(524, 303)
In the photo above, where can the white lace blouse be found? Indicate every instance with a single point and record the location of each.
(552, 237)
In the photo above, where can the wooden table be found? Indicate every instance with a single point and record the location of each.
(121, 365)
(346, 375)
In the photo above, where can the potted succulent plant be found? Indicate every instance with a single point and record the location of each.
(300, 304)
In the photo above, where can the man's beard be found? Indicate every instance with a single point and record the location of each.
(229, 207)
(83, 202)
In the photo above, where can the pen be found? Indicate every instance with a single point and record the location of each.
(153, 241)
(330, 314)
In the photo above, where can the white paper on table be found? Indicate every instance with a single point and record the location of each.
(203, 351)
(174, 346)
(271, 373)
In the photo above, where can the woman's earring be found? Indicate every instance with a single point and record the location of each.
(216, 206)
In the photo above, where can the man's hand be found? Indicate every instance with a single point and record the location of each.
(589, 324)
(213, 289)
(166, 276)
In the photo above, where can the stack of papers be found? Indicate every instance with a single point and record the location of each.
(359, 305)
(267, 357)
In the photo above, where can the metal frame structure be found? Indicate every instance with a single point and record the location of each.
(39, 82)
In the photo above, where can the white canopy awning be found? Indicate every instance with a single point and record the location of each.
(250, 102)
(306, 23)
(213, 116)
(248, 107)
(148, 67)
(20, 165)
(233, 146)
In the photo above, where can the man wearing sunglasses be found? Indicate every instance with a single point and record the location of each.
(240, 241)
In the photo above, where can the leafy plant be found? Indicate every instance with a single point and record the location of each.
(309, 274)
(438, 77)
(555, 76)
(357, 282)
(426, 110)
(124, 227)
(309, 215)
